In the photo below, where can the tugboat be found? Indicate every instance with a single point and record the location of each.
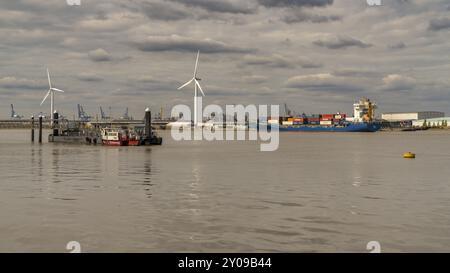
(114, 137)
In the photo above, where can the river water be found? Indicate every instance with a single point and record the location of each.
(319, 192)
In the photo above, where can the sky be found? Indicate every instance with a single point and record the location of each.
(317, 56)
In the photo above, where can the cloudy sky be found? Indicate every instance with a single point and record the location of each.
(315, 55)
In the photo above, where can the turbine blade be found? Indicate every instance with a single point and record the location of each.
(48, 76)
(201, 90)
(186, 84)
(46, 96)
(58, 90)
(196, 64)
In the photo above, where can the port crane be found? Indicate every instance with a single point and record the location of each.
(14, 115)
(82, 116)
(288, 112)
(125, 115)
(103, 115)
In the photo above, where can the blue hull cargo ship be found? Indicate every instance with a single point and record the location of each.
(362, 120)
(350, 127)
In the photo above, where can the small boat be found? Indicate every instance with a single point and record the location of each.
(114, 137)
(119, 137)
(133, 139)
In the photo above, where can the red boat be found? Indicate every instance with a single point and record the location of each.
(118, 137)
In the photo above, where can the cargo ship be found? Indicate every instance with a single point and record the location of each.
(363, 120)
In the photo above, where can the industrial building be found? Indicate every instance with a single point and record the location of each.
(411, 116)
(433, 122)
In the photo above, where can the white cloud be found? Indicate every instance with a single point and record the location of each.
(395, 82)
(99, 55)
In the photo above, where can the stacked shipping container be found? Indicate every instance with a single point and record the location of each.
(323, 119)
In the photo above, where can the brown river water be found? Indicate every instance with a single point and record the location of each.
(319, 192)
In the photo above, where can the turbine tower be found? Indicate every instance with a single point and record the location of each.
(196, 82)
(51, 92)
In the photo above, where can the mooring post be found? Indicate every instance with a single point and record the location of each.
(32, 128)
(148, 124)
(55, 124)
(40, 129)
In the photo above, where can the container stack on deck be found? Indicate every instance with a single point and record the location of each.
(318, 119)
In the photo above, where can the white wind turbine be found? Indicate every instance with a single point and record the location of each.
(196, 82)
(51, 92)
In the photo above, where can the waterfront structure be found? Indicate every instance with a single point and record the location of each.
(411, 116)
(432, 122)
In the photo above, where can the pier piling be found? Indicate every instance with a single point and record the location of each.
(40, 129)
(148, 124)
(32, 128)
(55, 124)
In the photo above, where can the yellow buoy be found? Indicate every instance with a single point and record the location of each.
(409, 155)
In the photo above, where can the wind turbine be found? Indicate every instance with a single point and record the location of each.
(196, 82)
(51, 92)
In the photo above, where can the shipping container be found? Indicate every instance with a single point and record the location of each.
(326, 122)
(327, 116)
(288, 122)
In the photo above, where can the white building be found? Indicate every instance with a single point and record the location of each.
(432, 122)
(411, 116)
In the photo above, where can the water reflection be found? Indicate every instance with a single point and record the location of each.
(56, 165)
(147, 173)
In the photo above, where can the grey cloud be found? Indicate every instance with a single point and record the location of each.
(399, 45)
(186, 44)
(99, 55)
(279, 61)
(324, 82)
(36, 34)
(307, 63)
(89, 77)
(276, 61)
(299, 3)
(254, 79)
(339, 42)
(20, 83)
(146, 83)
(302, 16)
(223, 6)
(439, 24)
(165, 11)
(353, 72)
